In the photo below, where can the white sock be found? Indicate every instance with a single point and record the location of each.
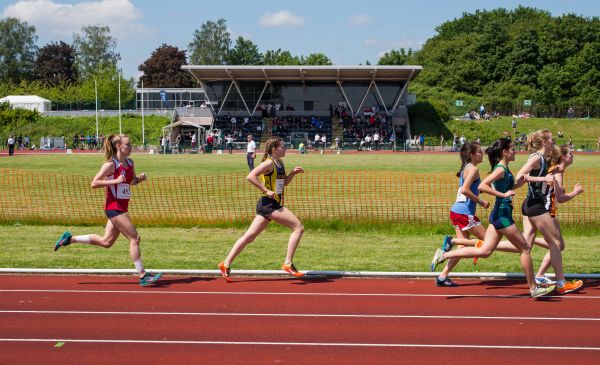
(82, 239)
(561, 283)
(139, 266)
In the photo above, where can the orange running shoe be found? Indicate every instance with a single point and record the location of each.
(569, 287)
(225, 272)
(478, 244)
(291, 269)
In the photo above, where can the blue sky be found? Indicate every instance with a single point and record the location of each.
(348, 31)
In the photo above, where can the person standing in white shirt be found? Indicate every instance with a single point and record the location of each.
(251, 152)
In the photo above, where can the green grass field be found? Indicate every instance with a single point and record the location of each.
(330, 245)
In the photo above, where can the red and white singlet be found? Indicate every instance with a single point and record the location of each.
(117, 196)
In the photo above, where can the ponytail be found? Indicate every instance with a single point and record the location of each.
(557, 153)
(271, 144)
(110, 146)
(535, 139)
(494, 152)
(466, 151)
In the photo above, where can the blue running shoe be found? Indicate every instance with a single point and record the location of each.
(64, 240)
(447, 244)
(150, 279)
(446, 282)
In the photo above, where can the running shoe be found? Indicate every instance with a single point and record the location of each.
(149, 279)
(569, 287)
(438, 258)
(63, 241)
(544, 281)
(446, 282)
(478, 244)
(541, 291)
(225, 272)
(291, 269)
(447, 244)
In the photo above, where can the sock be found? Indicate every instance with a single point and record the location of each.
(139, 266)
(561, 283)
(440, 278)
(288, 263)
(81, 239)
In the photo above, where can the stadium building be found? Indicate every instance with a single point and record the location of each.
(297, 102)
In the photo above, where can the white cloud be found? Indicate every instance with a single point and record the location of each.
(359, 20)
(56, 19)
(282, 18)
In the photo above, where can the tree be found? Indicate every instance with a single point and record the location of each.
(210, 44)
(17, 50)
(394, 57)
(316, 59)
(280, 58)
(245, 52)
(95, 49)
(163, 68)
(55, 64)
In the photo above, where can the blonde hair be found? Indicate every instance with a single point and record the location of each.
(271, 144)
(110, 145)
(557, 153)
(536, 139)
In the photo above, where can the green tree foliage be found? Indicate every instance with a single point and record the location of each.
(394, 57)
(281, 58)
(524, 52)
(211, 43)
(17, 50)
(245, 52)
(10, 117)
(55, 64)
(316, 59)
(163, 68)
(95, 49)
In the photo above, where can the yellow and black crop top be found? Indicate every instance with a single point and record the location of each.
(275, 181)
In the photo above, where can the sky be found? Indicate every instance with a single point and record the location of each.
(349, 32)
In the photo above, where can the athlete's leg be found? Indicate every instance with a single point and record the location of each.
(110, 236)
(515, 236)
(545, 265)
(256, 227)
(492, 237)
(461, 236)
(122, 222)
(545, 224)
(286, 218)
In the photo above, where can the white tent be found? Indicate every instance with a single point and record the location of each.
(170, 131)
(30, 102)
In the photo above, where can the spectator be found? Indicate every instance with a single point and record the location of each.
(178, 142)
(571, 112)
(163, 144)
(11, 145)
(441, 142)
(324, 140)
(317, 140)
(571, 146)
(598, 145)
(514, 126)
(560, 134)
(26, 142)
(462, 139)
(376, 140)
(368, 142)
(75, 141)
(229, 144)
(194, 141)
(422, 141)
(250, 152)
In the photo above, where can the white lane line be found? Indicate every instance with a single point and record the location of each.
(416, 295)
(330, 344)
(314, 315)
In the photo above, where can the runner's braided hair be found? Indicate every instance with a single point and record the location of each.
(271, 144)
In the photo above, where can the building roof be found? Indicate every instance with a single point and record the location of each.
(211, 73)
(22, 99)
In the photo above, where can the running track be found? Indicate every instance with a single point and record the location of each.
(275, 320)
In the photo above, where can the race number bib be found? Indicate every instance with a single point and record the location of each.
(460, 197)
(123, 191)
(279, 184)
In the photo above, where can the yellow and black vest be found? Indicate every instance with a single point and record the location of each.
(275, 181)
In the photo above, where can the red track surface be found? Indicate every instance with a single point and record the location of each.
(110, 319)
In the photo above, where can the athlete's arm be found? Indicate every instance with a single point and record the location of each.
(296, 170)
(265, 168)
(107, 169)
(523, 174)
(137, 178)
(559, 190)
(469, 175)
(486, 184)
